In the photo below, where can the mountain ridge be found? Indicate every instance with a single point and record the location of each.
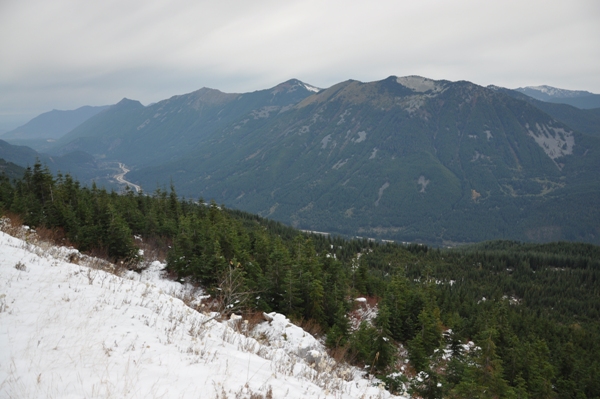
(412, 105)
(577, 98)
(191, 116)
(53, 124)
(403, 158)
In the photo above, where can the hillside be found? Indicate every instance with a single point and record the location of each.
(426, 321)
(71, 329)
(11, 170)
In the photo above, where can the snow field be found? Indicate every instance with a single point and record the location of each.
(70, 331)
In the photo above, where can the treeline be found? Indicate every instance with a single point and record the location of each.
(532, 310)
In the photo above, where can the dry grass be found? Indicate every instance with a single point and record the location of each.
(253, 319)
(11, 224)
(21, 266)
(55, 236)
(340, 354)
(45, 239)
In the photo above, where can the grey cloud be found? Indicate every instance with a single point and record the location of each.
(67, 53)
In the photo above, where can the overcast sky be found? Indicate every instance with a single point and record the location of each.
(63, 54)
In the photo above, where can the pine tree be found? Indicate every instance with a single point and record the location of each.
(119, 240)
(338, 334)
(383, 351)
(484, 378)
(395, 299)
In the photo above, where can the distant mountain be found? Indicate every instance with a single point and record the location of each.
(53, 124)
(11, 170)
(408, 159)
(582, 120)
(576, 98)
(78, 163)
(165, 130)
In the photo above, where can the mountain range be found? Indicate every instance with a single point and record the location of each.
(404, 158)
(50, 125)
(577, 98)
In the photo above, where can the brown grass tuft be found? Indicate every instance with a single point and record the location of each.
(254, 318)
(54, 236)
(11, 223)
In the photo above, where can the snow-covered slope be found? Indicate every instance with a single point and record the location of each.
(549, 92)
(70, 331)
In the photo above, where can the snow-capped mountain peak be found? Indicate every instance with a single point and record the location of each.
(553, 92)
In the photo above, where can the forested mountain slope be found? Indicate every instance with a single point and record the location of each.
(11, 170)
(76, 163)
(405, 159)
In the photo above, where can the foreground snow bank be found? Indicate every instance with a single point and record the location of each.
(71, 331)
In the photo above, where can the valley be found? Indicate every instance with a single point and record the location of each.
(120, 177)
(407, 159)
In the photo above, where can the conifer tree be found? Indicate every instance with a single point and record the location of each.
(338, 334)
(383, 350)
(119, 240)
(395, 299)
(484, 379)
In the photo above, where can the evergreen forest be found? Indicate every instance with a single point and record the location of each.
(499, 319)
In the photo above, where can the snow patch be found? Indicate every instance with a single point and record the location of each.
(381, 190)
(143, 124)
(478, 155)
(559, 93)
(339, 164)
(374, 153)
(420, 84)
(411, 104)
(362, 136)
(343, 116)
(264, 112)
(555, 141)
(363, 312)
(311, 88)
(423, 182)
